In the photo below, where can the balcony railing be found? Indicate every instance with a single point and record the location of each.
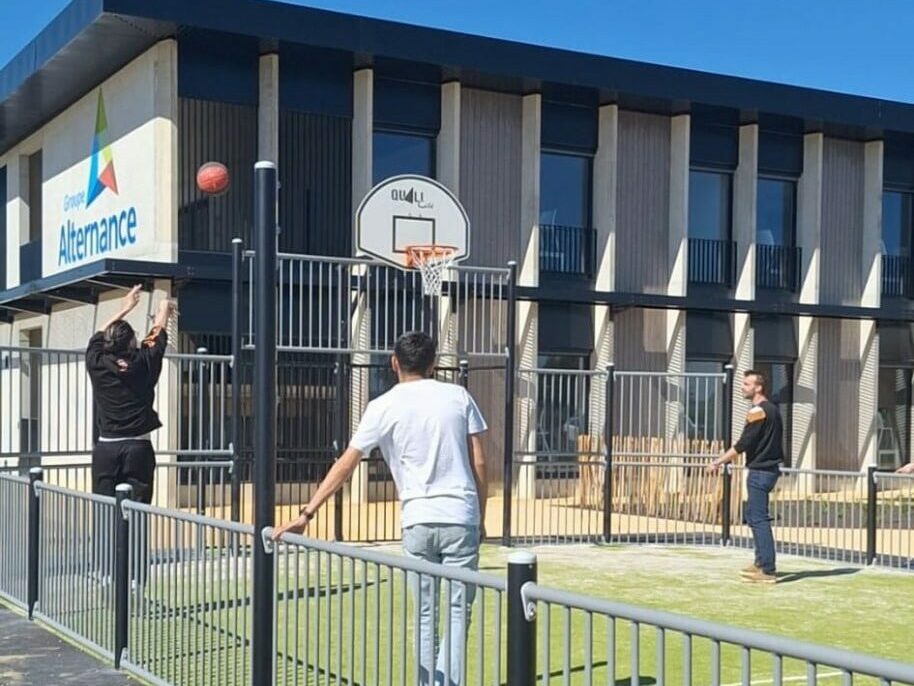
(567, 250)
(30, 261)
(777, 266)
(711, 261)
(896, 276)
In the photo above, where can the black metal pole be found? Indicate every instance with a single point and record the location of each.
(521, 624)
(726, 505)
(728, 406)
(342, 436)
(264, 419)
(35, 475)
(871, 503)
(463, 373)
(122, 492)
(608, 432)
(237, 309)
(510, 352)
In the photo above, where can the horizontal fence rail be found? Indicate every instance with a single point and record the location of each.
(342, 305)
(352, 615)
(190, 620)
(607, 640)
(47, 405)
(14, 531)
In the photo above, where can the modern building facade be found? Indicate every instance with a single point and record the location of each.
(662, 219)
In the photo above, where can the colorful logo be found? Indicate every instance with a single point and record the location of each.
(101, 171)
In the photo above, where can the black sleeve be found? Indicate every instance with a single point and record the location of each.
(750, 438)
(152, 350)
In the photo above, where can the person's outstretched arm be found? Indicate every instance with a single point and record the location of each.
(907, 469)
(747, 441)
(128, 302)
(339, 473)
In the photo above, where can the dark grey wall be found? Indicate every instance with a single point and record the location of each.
(839, 388)
(640, 340)
(490, 167)
(842, 222)
(643, 201)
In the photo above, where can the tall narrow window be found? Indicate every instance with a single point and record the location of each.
(397, 153)
(566, 243)
(897, 224)
(710, 248)
(3, 193)
(35, 179)
(777, 259)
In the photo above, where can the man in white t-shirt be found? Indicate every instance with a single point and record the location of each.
(430, 434)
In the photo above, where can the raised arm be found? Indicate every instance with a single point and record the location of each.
(128, 302)
(165, 309)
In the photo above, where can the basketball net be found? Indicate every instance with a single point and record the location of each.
(431, 261)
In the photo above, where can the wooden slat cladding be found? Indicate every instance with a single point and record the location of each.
(842, 222)
(220, 132)
(315, 162)
(643, 202)
(838, 393)
(490, 174)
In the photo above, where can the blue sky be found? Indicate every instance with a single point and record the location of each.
(853, 46)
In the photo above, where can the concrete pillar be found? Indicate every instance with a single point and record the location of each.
(362, 131)
(17, 213)
(268, 109)
(745, 200)
(870, 296)
(528, 275)
(809, 237)
(166, 149)
(448, 143)
(677, 252)
(605, 172)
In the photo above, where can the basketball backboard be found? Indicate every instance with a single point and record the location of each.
(410, 210)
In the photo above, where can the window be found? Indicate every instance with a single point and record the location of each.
(562, 405)
(565, 208)
(709, 205)
(565, 189)
(402, 153)
(35, 179)
(3, 229)
(894, 418)
(897, 223)
(776, 211)
(704, 400)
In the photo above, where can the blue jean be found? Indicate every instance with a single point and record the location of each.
(456, 546)
(759, 485)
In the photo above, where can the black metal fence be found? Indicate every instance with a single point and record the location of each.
(567, 250)
(897, 276)
(777, 266)
(712, 261)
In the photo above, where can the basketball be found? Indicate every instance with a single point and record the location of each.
(213, 178)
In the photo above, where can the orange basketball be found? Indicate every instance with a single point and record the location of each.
(213, 178)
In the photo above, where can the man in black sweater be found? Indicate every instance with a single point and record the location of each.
(124, 374)
(762, 442)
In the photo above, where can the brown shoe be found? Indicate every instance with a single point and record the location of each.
(760, 578)
(751, 570)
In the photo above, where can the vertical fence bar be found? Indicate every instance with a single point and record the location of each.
(871, 504)
(727, 498)
(510, 352)
(264, 420)
(521, 631)
(122, 571)
(237, 314)
(35, 475)
(609, 430)
(340, 441)
(728, 406)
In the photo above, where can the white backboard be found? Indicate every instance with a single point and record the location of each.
(410, 210)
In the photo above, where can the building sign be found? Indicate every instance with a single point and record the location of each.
(99, 191)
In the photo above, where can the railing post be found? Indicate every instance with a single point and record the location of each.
(262, 597)
(237, 347)
(122, 492)
(608, 432)
(510, 351)
(871, 504)
(35, 475)
(342, 432)
(725, 505)
(728, 406)
(521, 621)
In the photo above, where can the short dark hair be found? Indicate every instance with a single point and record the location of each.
(759, 378)
(415, 351)
(119, 337)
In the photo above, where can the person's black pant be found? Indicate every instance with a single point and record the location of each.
(128, 462)
(124, 462)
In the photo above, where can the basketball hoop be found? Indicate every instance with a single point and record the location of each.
(431, 261)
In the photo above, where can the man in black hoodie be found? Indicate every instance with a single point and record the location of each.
(762, 441)
(124, 374)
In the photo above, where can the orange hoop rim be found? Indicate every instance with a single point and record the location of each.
(419, 254)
